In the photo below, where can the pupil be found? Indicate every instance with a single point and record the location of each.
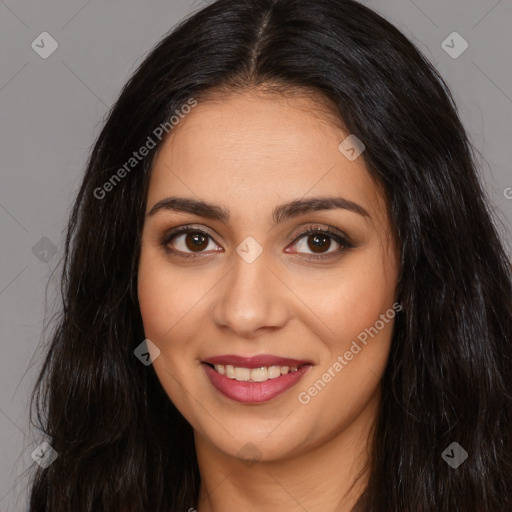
(198, 241)
(319, 242)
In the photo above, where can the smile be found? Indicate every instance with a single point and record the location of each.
(253, 374)
(244, 381)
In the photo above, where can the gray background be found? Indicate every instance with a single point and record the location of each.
(52, 110)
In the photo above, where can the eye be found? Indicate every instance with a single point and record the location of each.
(191, 242)
(187, 240)
(319, 241)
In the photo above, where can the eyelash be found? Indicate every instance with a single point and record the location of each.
(329, 232)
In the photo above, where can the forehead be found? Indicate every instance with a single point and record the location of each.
(256, 150)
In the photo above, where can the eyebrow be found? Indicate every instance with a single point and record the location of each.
(281, 213)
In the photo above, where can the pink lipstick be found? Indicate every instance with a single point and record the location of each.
(254, 379)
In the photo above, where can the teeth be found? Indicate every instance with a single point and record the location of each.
(230, 371)
(242, 373)
(273, 372)
(260, 374)
(254, 374)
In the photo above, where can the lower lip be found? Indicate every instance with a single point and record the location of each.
(254, 392)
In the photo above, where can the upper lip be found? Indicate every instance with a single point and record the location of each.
(255, 361)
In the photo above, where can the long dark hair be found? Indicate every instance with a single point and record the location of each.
(122, 444)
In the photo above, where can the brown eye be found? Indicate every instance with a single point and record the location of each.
(195, 241)
(315, 243)
(318, 243)
(188, 241)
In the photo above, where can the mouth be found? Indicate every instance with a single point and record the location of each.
(260, 374)
(254, 380)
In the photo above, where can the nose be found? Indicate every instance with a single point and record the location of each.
(251, 299)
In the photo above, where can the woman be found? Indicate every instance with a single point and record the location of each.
(342, 338)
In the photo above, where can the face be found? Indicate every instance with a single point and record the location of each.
(268, 333)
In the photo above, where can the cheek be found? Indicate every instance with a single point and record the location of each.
(167, 298)
(353, 298)
(354, 355)
(356, 305)
(156, 303)
(168, 302)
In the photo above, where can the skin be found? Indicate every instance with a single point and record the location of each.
(249, 153)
